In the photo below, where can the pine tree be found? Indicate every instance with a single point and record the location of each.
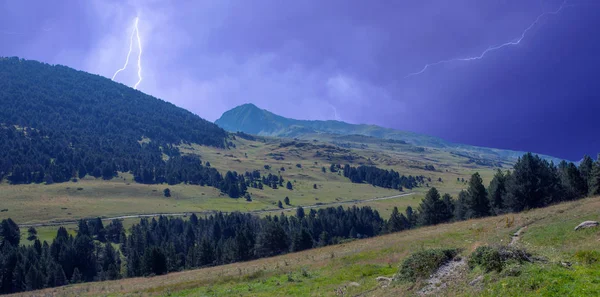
(10, 233)
(411, 217)
(448, 211)
(83, 228)
(460, 207)
(301, 241)
(585, 169)
(432, 208)
(32, 234)
(477, 200)
(497, 192)
(594, 179)
(76, 278)
(573, 184)
(397, 221)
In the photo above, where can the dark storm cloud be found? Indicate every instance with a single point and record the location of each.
(318, 59)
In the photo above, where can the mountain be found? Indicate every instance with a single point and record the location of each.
(57, 123)
(248, 118)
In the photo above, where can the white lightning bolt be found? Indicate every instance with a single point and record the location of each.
(496, 47)
(135, 32)
(335, 113)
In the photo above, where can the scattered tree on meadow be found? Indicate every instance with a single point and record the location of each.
(31, 234)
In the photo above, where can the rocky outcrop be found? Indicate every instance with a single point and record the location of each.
(587, 224)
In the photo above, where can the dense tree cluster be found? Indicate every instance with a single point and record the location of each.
(58, 124)
(533, 182)
(381, 177)
(66, 260)
(163, 245)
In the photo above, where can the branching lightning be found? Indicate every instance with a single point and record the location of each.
(136, 33)
(496, 47)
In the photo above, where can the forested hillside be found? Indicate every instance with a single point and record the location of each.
(57, 123)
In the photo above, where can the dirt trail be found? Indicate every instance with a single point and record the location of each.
(517, 236)
(181, 214)
(448, 273)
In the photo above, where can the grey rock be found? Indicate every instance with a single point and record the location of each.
(476, 281)
(384, 279)
(587, 224)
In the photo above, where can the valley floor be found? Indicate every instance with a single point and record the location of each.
(351, 269)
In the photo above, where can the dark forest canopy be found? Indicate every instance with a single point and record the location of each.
(58, 123)
(163, 245)
(389, 179)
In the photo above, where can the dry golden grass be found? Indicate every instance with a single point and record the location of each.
(121, 196)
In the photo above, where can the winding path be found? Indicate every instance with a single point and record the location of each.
(181, 214)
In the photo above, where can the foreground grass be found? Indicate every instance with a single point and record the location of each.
(351, 268)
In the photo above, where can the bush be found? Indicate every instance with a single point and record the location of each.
(423, 263)
(487, 257)
(495, 258)
(587, 257)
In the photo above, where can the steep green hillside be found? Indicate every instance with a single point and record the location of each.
(249, 118)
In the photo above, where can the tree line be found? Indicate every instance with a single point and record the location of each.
(532, 183)
(378, 177)
(159, 246)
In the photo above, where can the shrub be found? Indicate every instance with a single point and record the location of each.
(487, 257)
(495, 258)
(423, 263)
(587, 257)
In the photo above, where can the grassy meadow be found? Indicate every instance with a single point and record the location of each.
(90, 197)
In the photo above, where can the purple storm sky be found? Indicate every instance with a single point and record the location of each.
(345, 60)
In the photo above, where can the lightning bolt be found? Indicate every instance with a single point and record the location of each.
(335, 113)
(136, 33)
(496, 47)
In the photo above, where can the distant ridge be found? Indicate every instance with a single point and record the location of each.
(251, 119)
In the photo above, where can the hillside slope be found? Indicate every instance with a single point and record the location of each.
(60, 123)
(249, 118)
(350, 269)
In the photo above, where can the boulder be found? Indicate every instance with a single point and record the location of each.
(587, 224)
(383, 279)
